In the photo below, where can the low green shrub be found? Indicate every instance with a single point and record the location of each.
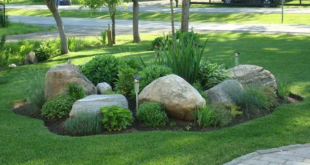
(223, 116)
(152, 72)
(157, 42)
(204, 116)
(152, 114)
(252, 100)
(102, 68)
(211, 74)
(58, 107)
(103, 38)
(84, 124)
(188, 37)
(116, 118)
(47, 50)
(75, 91)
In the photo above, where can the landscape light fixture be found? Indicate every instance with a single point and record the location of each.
(137, 79)
(236, 58)
(69, 61)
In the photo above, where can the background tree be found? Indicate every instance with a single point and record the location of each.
(185, 15)
(63, 38)
(135, 21)
(111, 4)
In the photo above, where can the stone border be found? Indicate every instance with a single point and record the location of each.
(267, 151)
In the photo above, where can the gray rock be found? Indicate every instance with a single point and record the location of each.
(58, 77)
(93, 103)
(222, 92)
(252, 75)
(103, 88)
(31, 58)
(177, 96)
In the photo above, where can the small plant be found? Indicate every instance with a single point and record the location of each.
(103, 68)
(204, 116)
(103, 38)
(75, 91)
(157, 42)
(211, 74)
(234, 110)
(283, 90)
(116, 118)
(223, 115)
(71, 44)
(152, 114)
(58, 107)
(187, 128)
(84, 124)
(173, 124)
(46, 51)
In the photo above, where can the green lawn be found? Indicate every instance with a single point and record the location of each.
(25, 140)
(194, 17)
(20, 28)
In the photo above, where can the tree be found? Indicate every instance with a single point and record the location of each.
(185, 15)
(135, 21)
(111, 4)
(63, 38)
(172, 20)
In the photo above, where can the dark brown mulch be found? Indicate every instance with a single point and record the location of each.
(57, 126)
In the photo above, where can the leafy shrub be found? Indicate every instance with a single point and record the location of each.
(116, 118)
(46, 51)
(152, 72)
(211, 74)
(157, 42)
(84, 124)
(103, 39)
(127, 70)
(75, 91)
(204, 116)
(58, 107)
(188, 36)
(152, 114)
(184, 59)
(223, 115)
(4, 54)
(251, 100)
(103, 68)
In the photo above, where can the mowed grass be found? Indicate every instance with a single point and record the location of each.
(193, 17)
(20, 28)
(25, 140)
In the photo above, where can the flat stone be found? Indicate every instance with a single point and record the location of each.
(272, 160)
(93, 103)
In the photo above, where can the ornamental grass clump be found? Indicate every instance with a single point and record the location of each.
(84, 124)
(204, 116)
(183, 56)
(152, 114)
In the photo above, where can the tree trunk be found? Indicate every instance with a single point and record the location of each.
(185, 15)
(63, 38)
(172, 20)
(112, 15)
(135, 21)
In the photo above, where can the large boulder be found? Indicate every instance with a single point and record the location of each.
(103, 88)
(31, 58)
(58, 77)
(93, 103)
(177, 96)
(223, 92)
(252, 75)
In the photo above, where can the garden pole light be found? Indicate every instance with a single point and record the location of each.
(236, 58)
(137, 78)
(69, 60)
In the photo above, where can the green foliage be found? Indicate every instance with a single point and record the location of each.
(102, 68)
(74, 44)
(84, 124)
(184, 59)
(223, 115)
(103, 38)
(251, 100)
(211, 74)
(283, 90)
(173, 124)
(152, 72)
(188, 36)
(35, 88)
(204, 116)
(199, 88)
(234, 110)
(157, 42)
(152, 114)
(75, 91)
(116, 118)
(125, 81)
(4, 54)
(46, 51)
(58, 107)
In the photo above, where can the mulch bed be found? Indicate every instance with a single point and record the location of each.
(57, 126)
